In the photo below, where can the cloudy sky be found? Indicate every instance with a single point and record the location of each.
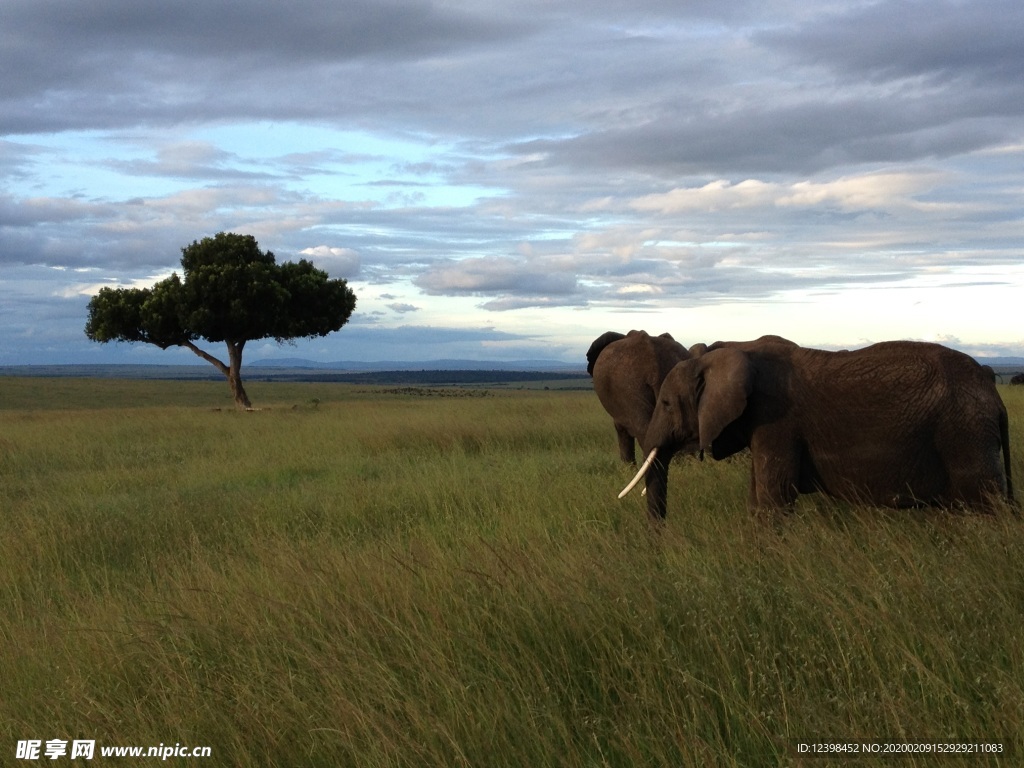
(508, 180)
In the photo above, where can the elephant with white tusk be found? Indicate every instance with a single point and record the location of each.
(896, 424)
(628, 370)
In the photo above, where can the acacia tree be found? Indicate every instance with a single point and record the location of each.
(231, 291)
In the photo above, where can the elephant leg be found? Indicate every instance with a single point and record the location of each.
(970, 463)
(977, 484)
(627, 450)
(752, 491)
(657, 488)
(774, 479)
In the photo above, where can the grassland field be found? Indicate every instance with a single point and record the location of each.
(374, 576)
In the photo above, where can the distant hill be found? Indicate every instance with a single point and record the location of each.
(426, 377)
(421, 365)
(1002, 362)
(426, 373)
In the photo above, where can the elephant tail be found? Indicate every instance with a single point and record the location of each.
(1004, 437)
(599, 344)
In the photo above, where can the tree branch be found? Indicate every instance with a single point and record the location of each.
(207, 357)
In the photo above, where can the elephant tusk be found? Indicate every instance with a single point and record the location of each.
(640, 473)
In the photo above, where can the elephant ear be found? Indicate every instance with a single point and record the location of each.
(722, 395)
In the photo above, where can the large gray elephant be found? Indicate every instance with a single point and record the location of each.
(628, 370)
(897, 424)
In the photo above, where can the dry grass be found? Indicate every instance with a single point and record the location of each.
(383, 580)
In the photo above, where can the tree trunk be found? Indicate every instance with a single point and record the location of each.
(235, 374)
(232, 372)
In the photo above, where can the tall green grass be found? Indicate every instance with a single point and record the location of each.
(358, 578)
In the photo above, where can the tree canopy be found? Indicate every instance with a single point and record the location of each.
(230, 292)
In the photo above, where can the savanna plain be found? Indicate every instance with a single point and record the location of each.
(358, 576)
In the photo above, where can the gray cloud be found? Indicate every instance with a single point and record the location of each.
(189, 160)
(427, 334)
(402, 308)
(197, 60)
(490, 275)
(939, 41)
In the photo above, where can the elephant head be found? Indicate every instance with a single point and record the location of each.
(699, 407)
(628, 370)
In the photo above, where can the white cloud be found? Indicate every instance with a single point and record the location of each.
(875, 191)
(339, 262)
(73, 290)
(872, 191)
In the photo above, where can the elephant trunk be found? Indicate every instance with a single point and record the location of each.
(641, 472)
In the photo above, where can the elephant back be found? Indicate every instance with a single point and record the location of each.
(598, 346)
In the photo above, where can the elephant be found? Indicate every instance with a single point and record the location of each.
(898, 423)
(628, 370)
